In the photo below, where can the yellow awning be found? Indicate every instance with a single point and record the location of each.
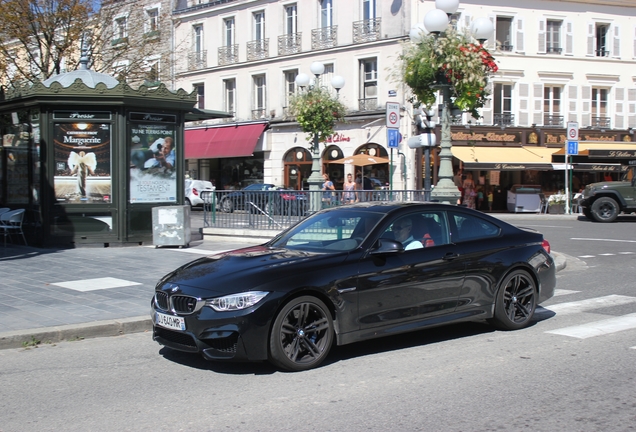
(586, 146)
(504, 158)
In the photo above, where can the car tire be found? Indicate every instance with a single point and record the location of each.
(226, 206)
(588, 213)
(605, 209)
(516, 301)
(302, 334)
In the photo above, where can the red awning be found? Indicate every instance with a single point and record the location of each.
(222, 142)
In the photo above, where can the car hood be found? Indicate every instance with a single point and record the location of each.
(243, 269)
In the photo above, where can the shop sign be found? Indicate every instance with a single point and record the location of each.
(84, 115)
(486, 137)
(597, 167)
(612, 153)
(507, 167)
(337, 138)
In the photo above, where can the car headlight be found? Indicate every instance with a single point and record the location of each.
(234, 302)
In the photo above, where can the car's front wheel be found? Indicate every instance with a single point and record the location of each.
(605, 209)
(516, 301)
(302, 334)
(226, 206)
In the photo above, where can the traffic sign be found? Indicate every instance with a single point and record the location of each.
(392, 115)
(573, 131)
(393, 138)
(573, 148)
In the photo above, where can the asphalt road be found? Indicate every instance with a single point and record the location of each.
(573, 370)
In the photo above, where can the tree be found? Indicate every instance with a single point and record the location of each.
(42, 38)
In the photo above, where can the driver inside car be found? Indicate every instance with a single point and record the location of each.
(402, 232)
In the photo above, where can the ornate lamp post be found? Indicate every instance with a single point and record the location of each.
(318, 121)
(436, 22)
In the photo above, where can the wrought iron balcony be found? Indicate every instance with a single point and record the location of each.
(554, 50)
(228, 54)
(601, 122)
(259, 113)
(505, 47)
(370, 104)
(602, 53)
(289, 44)
(367, 30)
(258, 49)
(326, 37)
(552, 120)
(197, 60)
(503, 119)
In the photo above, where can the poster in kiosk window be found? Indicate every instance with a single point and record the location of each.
(153, 149)
(82, 162)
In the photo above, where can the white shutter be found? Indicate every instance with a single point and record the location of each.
(491, 43)
(569, 38)
(616, 46)
(519, 45)
(486, 111)
(573, 115)
(524, 102)
(590, 39)
(542, 43)
(586, 105)
(537, 102)
(619, 117)
(631, 108)
(463, 23)
(634, 35)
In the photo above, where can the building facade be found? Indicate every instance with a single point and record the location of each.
(559, 62)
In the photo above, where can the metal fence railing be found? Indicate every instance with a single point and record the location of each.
(280, 209)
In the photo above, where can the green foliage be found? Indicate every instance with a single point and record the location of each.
(317, 112)
(450, 58)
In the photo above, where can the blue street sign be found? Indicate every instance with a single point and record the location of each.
(393, 138)
(573, 148)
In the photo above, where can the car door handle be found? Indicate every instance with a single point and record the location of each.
(450, 256)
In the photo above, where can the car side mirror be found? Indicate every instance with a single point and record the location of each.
(386, 246)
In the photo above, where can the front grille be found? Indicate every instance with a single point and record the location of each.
(183, 304)
(176, 337)
(226, 344)
(162, 299)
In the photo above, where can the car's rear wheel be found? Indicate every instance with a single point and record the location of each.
(302, 334)
(516, 301)
(226, 206)
(605, 209)
(188, 203)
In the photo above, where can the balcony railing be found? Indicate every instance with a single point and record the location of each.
(258, 49)
(505, 47)
(503, 119)
(552, 120)
(370, 104)
(554, 50)
(326, 37)
(601, 122)
(197, 60)
(228, 54)
(367, 30)
(289, 44)
(258, 113)
(602, 53)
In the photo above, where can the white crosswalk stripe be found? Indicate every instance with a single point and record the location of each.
(585, 305)
(598, 328)
(562, 292)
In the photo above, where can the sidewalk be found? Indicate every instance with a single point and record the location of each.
(49, 295)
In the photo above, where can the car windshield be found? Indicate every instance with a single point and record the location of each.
(333, 231)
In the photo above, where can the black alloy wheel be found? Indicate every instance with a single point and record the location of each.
(302, 334)
(516, 301)
(605, 209)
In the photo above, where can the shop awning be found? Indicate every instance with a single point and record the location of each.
(611, 150)
(504, 158)
(222, 142)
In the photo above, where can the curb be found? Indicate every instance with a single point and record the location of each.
(33, 337)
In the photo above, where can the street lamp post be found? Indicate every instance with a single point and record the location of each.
(315, 180)
(436, 22)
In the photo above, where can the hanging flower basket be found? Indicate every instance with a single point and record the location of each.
(450, 59)
(317, 112)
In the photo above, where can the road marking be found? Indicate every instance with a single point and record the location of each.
(95, 284)
(586, 305)
(587, 256)
(626, 253)
(604, 240)
(598, 328)
(607, 254)
(560, 292)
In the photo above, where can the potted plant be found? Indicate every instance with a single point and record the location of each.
(556, 203)
(448, 59)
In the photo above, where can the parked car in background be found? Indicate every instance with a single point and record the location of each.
(604, 201)
(193, 189)
(351, 273)
(264, 197)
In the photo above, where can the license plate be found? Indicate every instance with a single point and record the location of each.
(170, 321)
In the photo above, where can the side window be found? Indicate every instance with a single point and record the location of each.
(421, 229)
(470, 227)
